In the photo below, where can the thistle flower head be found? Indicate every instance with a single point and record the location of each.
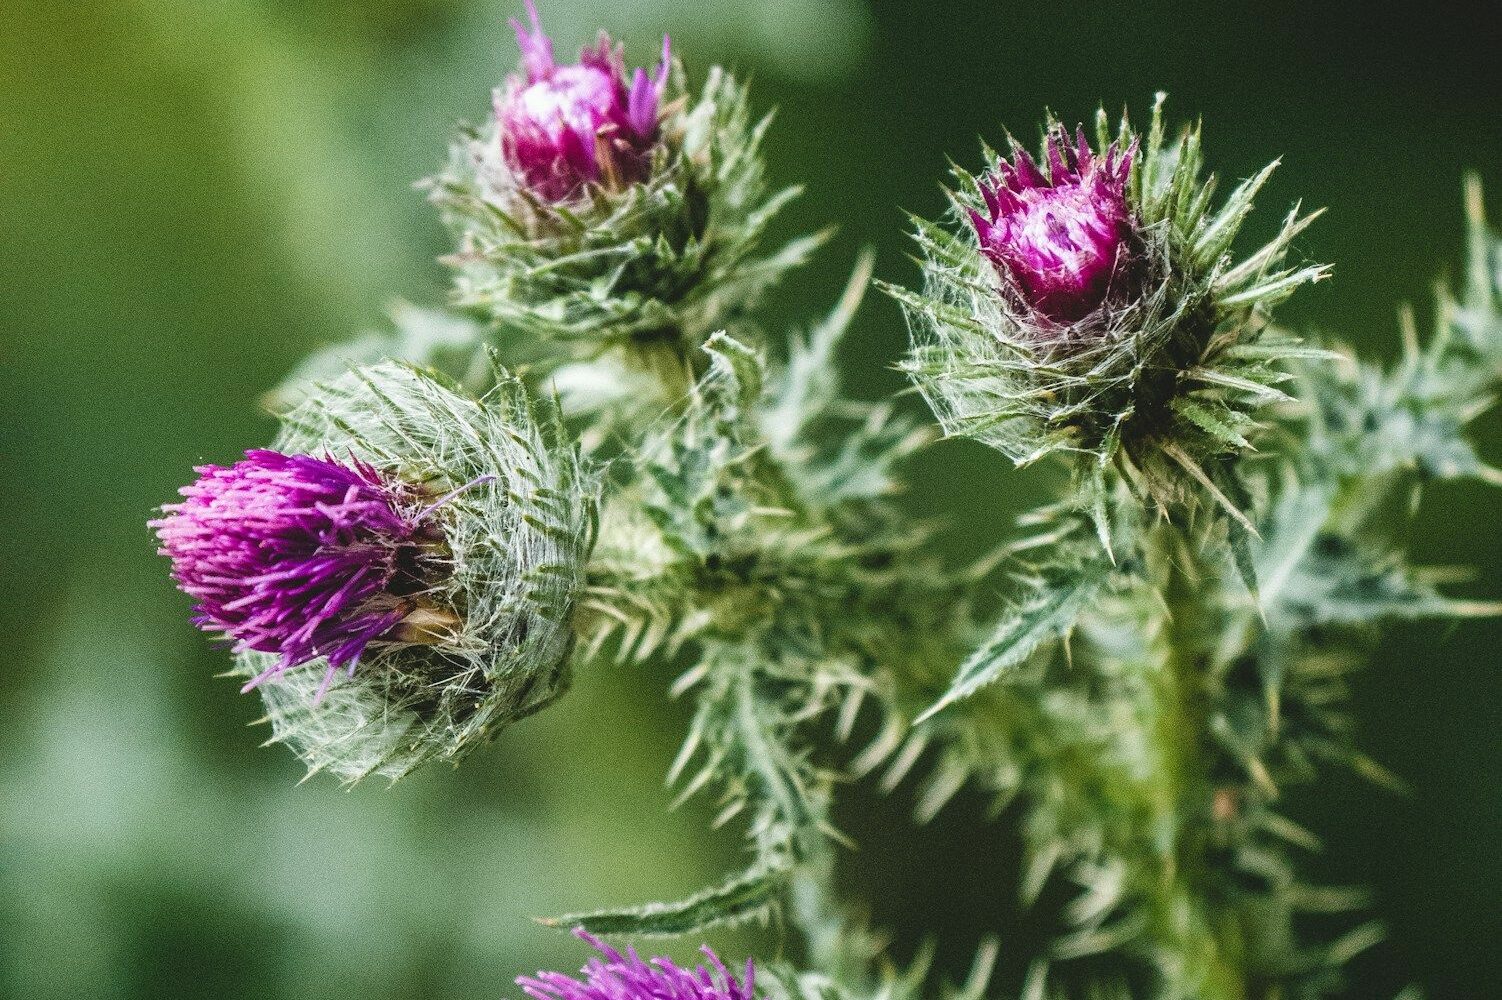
(437, 564)
(614, 976)
(1061, 241)
(562, 127)
(613, 209)
(296, 555)
(1098, 312)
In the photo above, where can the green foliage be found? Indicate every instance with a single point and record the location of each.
(1475, 319)
(1058, 596)
(734, 539)
(744, 896)
(1413, 418)
(1160, 668)
(425, 338)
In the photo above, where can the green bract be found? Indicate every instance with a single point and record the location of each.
(1475, 320)
(514, 549)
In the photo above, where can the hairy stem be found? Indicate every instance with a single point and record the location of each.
(1187, 911)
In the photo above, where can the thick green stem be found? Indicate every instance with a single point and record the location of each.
(1186, 913)
(814, 910)
(672, 360)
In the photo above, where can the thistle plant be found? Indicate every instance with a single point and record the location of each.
(433, 546)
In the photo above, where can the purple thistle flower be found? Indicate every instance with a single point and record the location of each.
(628, 977)
(1062, 242)
(565, 126)
(295, 555)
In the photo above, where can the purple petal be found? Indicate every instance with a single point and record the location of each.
(1082, 153)
(641, 107)
(1060, 244)
(536, 46)
(1027, 172)
(291, 554)
(627, 977)
(660, 79)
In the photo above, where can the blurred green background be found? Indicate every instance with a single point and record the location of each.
(194, 193)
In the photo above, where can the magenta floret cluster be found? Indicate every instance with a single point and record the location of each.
(1062, 240)
(613, 976)
(562, 127)
(293, 555)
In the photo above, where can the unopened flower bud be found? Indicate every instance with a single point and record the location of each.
(610, 208)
